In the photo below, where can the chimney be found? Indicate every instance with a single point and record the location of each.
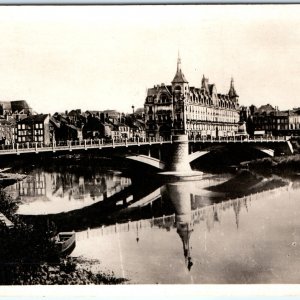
(102, 117)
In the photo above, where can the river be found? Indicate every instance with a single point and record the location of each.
(220, 228)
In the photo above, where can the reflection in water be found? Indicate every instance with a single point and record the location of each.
(181, 197)
(191, 203)
(180, 232)
(45, 193)
(217, 240)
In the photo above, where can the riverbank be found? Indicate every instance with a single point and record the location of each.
(247, 182)
(281, 165)
(7, 179)
(70, 271)
(29, 255)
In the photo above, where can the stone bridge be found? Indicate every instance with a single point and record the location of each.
(173, 155)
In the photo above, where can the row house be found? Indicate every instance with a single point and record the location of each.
(294, 121)
(63, 129)
(269, 120)
(10, 113)
(181, 109)
(137, 129)
(8, 131)
(120, 131)
(35, 128)
(96, 128)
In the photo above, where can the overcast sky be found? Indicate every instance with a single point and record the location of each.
(99, 57)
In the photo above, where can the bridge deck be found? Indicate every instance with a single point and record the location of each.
(85, 145)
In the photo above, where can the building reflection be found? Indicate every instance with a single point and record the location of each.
(44, 186)
(181, 198)
(191, 209)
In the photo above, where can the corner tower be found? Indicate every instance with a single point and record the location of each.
(180, 86)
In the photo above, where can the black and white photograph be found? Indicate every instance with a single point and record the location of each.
(149, 144)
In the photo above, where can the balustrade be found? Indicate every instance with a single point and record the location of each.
(100, 143)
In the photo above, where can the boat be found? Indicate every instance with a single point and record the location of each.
(66, 241)
(3, 219)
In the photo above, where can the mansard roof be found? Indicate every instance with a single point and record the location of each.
(152, 91)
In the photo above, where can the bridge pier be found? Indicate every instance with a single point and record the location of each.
(179, 157)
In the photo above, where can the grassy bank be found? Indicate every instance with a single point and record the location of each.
(29, 255)
(281, 165)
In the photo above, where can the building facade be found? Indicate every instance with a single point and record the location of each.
(294, 122)
(198, 112)
(8, 131)
(35, 128)
(270, 121)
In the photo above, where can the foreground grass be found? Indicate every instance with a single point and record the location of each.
(28, 255)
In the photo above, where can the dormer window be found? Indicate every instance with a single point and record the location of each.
(150, 99)
(163, 98)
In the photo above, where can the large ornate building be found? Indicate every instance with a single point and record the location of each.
(198, 112)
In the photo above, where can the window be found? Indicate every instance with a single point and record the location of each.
(163, 98)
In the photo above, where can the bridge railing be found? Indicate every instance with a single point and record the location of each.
(117, 142)
(79, 144)
(237, 139)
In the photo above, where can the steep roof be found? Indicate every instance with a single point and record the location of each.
(19, 105)
(34, 119)
(179, 76)
(232, 93)
(266, 108)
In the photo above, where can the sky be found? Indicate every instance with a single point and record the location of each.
(105, 57)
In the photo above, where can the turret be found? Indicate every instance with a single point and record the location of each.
(180, 85)
(204, 83)
(232, 93)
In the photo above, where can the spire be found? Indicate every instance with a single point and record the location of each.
(237, 209)
(204, 83)
(179, 76)
(232, 93)
(178, 62)
(184, 230)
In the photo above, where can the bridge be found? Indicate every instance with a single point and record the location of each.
(180, 150)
